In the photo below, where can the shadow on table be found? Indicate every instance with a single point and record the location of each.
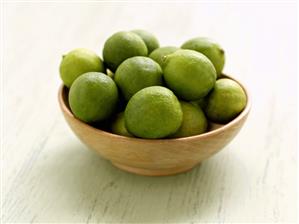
(100, 192)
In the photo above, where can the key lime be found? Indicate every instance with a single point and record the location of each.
(158, 54)
(189, 74)
(118, 126)
(137, 73)
(78, 62)
(194, 121)
(149, 39)
(120, 46)
(93, 97)
(209, 48)
(226, 101)
(153, 112)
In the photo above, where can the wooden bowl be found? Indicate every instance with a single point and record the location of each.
(154, 157)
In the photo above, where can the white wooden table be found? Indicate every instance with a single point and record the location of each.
(49, 176)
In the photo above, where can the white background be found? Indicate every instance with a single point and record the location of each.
(49, 176)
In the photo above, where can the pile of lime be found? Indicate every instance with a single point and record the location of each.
(140, 89)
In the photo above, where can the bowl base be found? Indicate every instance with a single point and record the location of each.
(154, 172)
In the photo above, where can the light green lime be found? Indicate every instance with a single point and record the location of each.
(153, 112)
(93, 97)
(118, 126)
(159, 54)
(226, 101)
(149, 39)
(120, 46)
(194, 121)
(209, 48)
(137, 73)
(189, 74)
(78, 62)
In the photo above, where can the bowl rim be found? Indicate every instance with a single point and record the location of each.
(223, 128)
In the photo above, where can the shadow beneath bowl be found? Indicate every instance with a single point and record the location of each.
(98, 192)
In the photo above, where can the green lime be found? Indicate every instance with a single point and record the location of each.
(93, 97)
(189, 74)
(137, 73)
(210, 49)
(194, 121)
(226, 101)
(159, 54)
(78, 62)
(120, 46)
(118, 126)
(153, 112)
(149, 39)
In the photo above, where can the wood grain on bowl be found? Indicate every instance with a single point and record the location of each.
(154, 157)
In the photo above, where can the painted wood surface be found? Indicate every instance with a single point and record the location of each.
(48, 175)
